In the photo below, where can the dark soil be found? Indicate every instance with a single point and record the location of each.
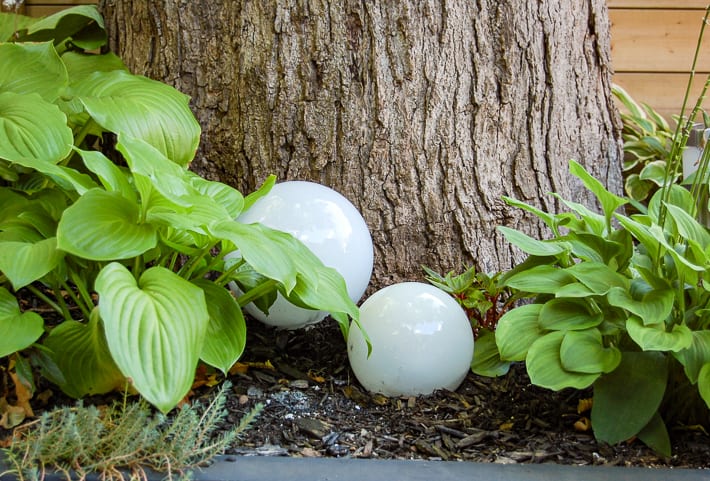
(315, 407)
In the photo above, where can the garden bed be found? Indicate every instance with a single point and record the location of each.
(314, 407)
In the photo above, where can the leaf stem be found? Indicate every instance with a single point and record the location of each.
(257, 292)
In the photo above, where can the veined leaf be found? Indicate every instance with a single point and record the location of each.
(517, 330)
(26, 262)
(110, 175)
(626, 399)
(704, 383)
(549, 219)
(568, 314)
(80, 352)
(653, 308)
(655, 435)
(543, 279)
(486, 357)
(104, 226)
(695, 356)
(32, 68)
(226, 331)
(18, 330)
(82, 23)
(545, 366)
(144, 109)
(599, 277)
(688, 226)
(610, 202)
(655, 337)
(155, 329)
(584, 351)
(533, 246)
(32, 128)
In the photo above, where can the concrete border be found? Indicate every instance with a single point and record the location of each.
(265, 468)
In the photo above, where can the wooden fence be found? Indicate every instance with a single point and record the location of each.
(653, 42)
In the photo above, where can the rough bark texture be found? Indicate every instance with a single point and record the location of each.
(421, 112)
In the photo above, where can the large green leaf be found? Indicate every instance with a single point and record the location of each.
(517, 330)
(104, 226)
(544, 279)
(597, 276)
(80, 352)
(82, 65)
(545, 367)
(688, 226)
(11, 23)
(655, 337)
(226, 331)
(653, 307)
(655, 435)
(642, 233)
(626, 399)
(32, 128)
(568, 314)
(227, 197)
(110, 175)
(155, 329)
(584, 351)
(26, 262)
(18, 330)
(142, 108)
(82, 23)
(694, 357)
(32, 68)
(486, 358)
(704, 383)
(534, 246)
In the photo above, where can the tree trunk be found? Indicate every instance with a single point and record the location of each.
(421, 112)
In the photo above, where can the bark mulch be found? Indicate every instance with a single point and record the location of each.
(314, 407)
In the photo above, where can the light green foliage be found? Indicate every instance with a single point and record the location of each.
(144, 236)
(613, 303)
(122, 441)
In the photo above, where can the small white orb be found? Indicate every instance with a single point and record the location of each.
(421, 341)
(330, 226)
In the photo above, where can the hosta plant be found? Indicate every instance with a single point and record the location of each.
(128, 253)
(619, 304)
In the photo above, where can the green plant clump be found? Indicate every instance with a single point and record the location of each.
(122, 441)
(130, 254)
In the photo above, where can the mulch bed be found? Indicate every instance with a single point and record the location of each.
(315, 407)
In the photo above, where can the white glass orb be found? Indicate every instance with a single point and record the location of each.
(330, 226)
(421, 341)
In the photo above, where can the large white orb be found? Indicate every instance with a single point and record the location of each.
(330, 226)
(421, 341)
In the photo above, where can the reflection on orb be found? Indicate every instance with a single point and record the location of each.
(330, 226)
(421, 341)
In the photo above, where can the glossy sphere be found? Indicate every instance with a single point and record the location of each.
(330, 226)
(421, 341)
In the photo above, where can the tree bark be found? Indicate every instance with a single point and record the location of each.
(422, 112)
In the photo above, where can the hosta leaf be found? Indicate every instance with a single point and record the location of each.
(104, 226)
(653, 307)
(704, 383)
(226, 330)
(486, 357)
(545, 368)
(568, 314)
(110, 175)
(610, 202)
(688, 226)
(584, 351)
(642, 233)
(80, 352)
(517, 330)
(32, 68)
(626, 399)
(11, 23)
(544, 279)
(694, 357)
(18, 330)
(549, 219)
(155, 329)
(32, 129)
(142, 108)
(655, 435)
(533, 246)
(656, 338)
(83, 23)
(227, 197)
(25, 262)
(81, 65)
(597, 276)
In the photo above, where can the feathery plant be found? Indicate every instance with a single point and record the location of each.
(122, 441)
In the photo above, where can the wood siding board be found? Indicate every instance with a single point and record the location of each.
(651, 4)
(663, 92)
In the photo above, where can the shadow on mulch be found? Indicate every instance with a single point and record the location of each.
(314, 407)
